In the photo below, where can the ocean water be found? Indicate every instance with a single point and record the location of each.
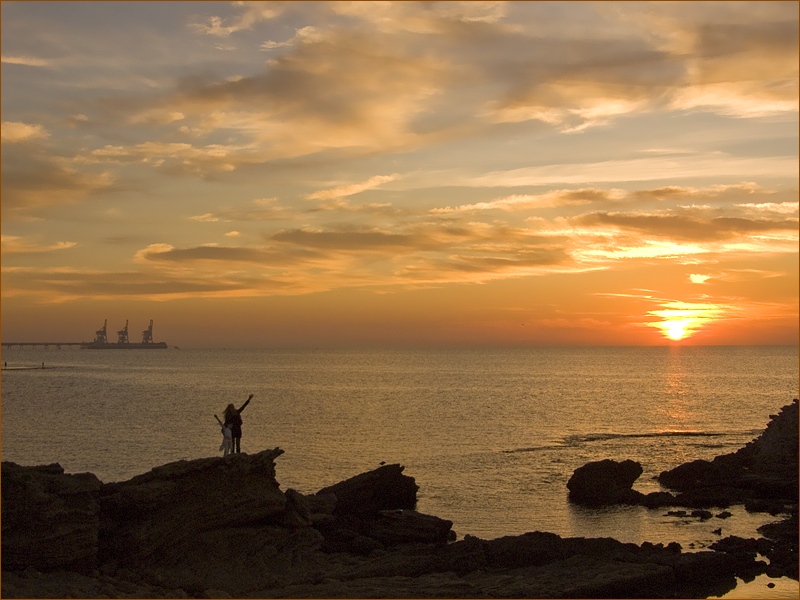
(490, 436)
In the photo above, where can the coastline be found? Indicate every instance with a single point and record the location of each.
(222, 527)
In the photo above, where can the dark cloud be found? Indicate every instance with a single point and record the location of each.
(500, 264)
(687, 227)
(346, 240)
(257, 256)
(34, 179)
(779, 38)
(118, 284)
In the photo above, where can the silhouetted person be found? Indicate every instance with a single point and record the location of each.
(227, 439)
(233, 419)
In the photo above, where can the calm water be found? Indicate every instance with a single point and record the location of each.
(491, 436)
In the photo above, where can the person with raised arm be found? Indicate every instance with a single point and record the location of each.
(233, 419)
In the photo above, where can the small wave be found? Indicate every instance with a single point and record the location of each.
(587, 438)
(574, 440)
(533, 449)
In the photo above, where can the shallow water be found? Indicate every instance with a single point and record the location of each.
(491, 436)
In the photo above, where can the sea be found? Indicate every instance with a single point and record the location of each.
(491, 436)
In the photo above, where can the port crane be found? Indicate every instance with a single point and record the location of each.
(122, 334)
(147, 334)
(100, 334)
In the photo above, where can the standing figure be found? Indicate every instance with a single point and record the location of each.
(233, 419)
(227, 438)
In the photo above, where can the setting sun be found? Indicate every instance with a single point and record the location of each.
(676, 330)
(680, 320)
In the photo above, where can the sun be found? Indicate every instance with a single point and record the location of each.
(680, 320)
(675, 330)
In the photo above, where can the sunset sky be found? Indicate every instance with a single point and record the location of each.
(332, 174)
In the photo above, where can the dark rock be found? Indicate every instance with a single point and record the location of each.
(166, 509)
(297, 512)
(694, 474)
(408, 526)
(710, 496)
(773, 507)
(387, 528)
(605, 482)
(50, 520)
(658, 500)
(385, 488)
(703, 515)
(782, 552)
(765, 468)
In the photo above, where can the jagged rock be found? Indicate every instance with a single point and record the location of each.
(298, 510)
(766, 467)
(385, 488)
(605, 482)
(783, 552)
(658, 500)
(167, 508)
(695, 474)
(392, 527)
(50, 520)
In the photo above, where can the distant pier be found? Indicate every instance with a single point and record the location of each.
(45, 344)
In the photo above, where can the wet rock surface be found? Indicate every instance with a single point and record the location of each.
(222, 527)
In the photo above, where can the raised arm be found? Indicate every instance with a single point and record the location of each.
(218, 421)
(250, 397)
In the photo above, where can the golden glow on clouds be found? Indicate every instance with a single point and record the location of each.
(682, 319)
(28, 61)
(350, 190)
(14, 132)
(497, 160)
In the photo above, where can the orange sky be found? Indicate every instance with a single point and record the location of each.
(336, 174)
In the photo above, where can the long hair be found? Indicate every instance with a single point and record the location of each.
(229, 413)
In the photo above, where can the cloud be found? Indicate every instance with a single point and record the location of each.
(697, 278)
(710, 165)
(387, 77)
(34, 180)
(253, 13)
(550, 199)
(13, 244)
(303, 35)
(784, 208)
(13, 132)
(206, 161)
(168, 253)
(261, 209)
(346, 240)
(681, 227)
(679, 319)
(27, 61)
(58, 285)
(205, 218)
(352, 189)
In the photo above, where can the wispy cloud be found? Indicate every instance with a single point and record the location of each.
(675, 168)
(252, 13)
(352, 189)
(27, 61)
(14, 132)
(13, 244)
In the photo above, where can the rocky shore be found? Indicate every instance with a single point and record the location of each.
(222, 527)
